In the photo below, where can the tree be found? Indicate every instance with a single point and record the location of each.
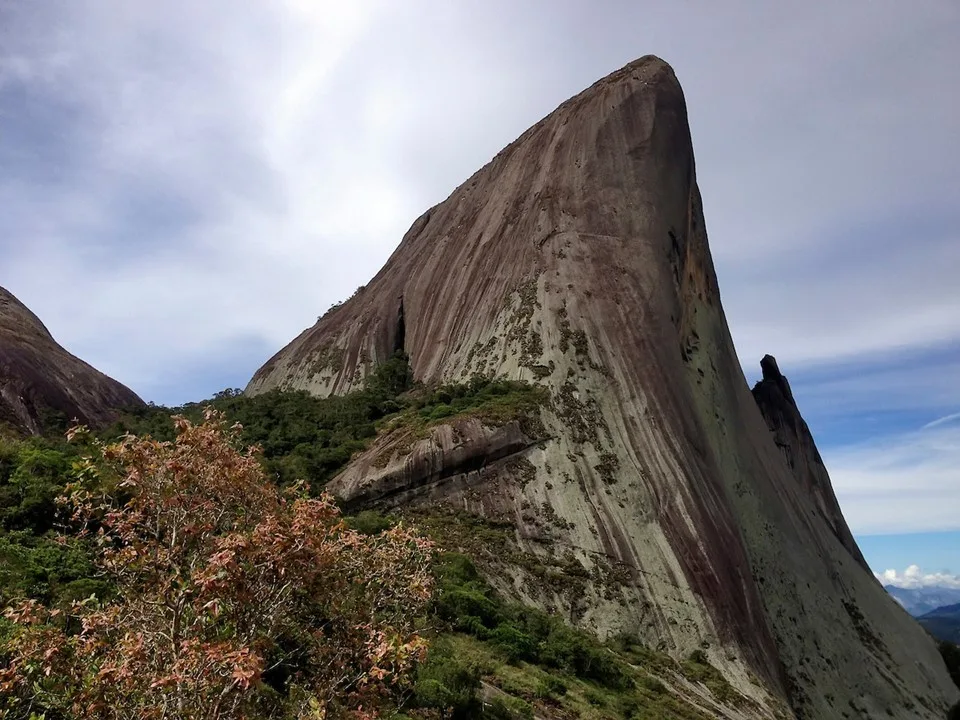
(234, 599)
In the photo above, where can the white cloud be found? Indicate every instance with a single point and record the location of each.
(913, 577)
(901, 296)
(905, 483)
(858, 391)
(220, 173)
(952, 417)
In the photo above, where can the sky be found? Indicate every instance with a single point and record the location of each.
(186, 186)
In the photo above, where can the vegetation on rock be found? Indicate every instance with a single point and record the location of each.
(493, 401)
(308, 438)
(192, 579)
(168, 573)
(231, 598)
(493, 658)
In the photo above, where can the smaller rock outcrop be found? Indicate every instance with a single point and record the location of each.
(402, 467)
(41, 384)
(794, 439)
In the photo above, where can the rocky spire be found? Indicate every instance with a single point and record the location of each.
(795, 441)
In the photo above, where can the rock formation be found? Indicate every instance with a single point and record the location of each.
(792, 436)
(40, 382)
(577, 260)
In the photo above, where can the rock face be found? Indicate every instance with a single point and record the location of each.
(577, 260)
(792, 436)
(41, 382)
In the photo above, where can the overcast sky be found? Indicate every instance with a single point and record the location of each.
(186, 185)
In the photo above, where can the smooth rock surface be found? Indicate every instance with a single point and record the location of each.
(577, 259)
(40, 381)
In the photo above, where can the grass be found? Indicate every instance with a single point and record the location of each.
(546, 689)
(538, 664)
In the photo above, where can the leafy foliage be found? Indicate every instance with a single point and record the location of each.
(280, 607)
(233, 599)
(493, 400)
(518, 632)
(536, 660)
(301, 437)
(369, 522)
(31, 476)
(447, 684)
(33, 562)
(307, 438)
(51, 569)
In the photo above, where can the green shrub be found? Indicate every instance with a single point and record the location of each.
(469, 605)
(507, 708)
(369, 522)
(472, 625)
(584, 656)
(551, 687)
(456, 569)
(652, 684)
(513, 643)
(40, 567)
(491, 400)
(31, 478)
(82, 589)
(593, 697)
(452, 605)
(447, 684)
(302, 437)
(442, 411)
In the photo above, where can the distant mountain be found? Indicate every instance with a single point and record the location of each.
(42, 386)
(920, 601)
(943, 623)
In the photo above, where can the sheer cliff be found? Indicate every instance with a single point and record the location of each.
(41, 383)
(701, 516)
(792, 436)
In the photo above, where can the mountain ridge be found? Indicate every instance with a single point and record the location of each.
(43, 384)
(921, 600)
(577, 261)
(943, 623)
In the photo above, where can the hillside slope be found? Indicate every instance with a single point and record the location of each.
(647, 495)
(943, 623)
(919, 601)
(43, 384)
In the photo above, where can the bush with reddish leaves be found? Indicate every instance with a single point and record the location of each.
(234, 599)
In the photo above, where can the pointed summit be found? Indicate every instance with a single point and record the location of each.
(611, 167)
(577, 260)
